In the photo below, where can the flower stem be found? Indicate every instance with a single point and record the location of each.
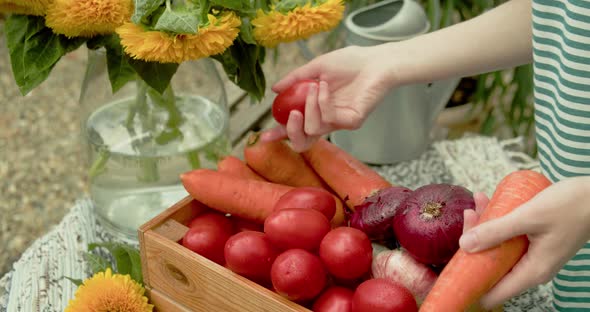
(148, 165)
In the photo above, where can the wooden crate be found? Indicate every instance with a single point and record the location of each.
(178, 279)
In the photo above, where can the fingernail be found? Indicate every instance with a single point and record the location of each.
(468, 242)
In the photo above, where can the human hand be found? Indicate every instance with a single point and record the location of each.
(556, 223)
(352, 81)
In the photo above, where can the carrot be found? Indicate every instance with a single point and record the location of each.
(350, 178)
(235, 166)
(278, 163)
(245, 198)
(468, 276)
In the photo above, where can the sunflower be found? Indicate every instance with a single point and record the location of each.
(27, 7)
(164, 47)
(106, 291)
(87, 18)
(274, 27)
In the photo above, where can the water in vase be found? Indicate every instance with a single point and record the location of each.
(136, 162)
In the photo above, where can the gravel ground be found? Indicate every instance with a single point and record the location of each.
(40, 167)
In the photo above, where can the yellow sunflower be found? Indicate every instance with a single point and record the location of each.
(163, 47)
(87, 18)
(274, 27)
(26, 7)
(106, 291)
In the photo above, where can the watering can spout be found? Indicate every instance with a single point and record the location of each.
(440, 92)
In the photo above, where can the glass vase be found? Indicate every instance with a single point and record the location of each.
(138, 141)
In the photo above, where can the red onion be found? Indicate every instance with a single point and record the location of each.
(398, 266)
(430, 222)
(374, 215)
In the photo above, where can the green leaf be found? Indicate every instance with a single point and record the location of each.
(242, 63)
(231, 4)
(143, 8)
(285, 6)
(433, 12)
(246, 31)
(127, 258)
(120, 71)
(156, 75)
(76, 282)
(178, 21)
(34, 50)
(97, 263)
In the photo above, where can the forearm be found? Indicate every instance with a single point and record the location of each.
(500, 38)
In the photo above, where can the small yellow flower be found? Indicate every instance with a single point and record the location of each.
(106, 291)
(273, 27)
(163, 47)
(26, 7)
(87, 18)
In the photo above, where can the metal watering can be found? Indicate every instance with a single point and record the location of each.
(399, 128)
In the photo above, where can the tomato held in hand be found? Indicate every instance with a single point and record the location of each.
(251, 255)
(207, 236)
(290, 99)
(334, 299)
(347, 252)
(308, 197)
(382, 295)
(298, 275)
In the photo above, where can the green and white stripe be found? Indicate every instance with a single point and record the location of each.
(561, 49)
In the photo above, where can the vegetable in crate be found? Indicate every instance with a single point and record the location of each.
(382, 295)
(251, 255)
(298, 275)
(309, 198)
(334, 299)
(346, 252)
(278, 163)
(245, 198)
(296, 228)
(235, 166)
(398, 266)
(430, 222)
(207, 236)
(375, 215)
(468, 276)
(350, 178)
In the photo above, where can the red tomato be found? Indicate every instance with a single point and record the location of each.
(347, 252)
(207, 236)
(251, 255)
(296, 228)
(334, 299)
(298, 275)
(309, 198)
(383, 295)
(290, 99)
(213, 218)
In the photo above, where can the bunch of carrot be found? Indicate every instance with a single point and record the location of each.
(249, 189)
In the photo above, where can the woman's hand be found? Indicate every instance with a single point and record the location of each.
(556, 222)
(352, 81)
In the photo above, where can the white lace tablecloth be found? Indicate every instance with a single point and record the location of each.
(36, 281)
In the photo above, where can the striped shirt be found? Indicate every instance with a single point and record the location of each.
(561, 60)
